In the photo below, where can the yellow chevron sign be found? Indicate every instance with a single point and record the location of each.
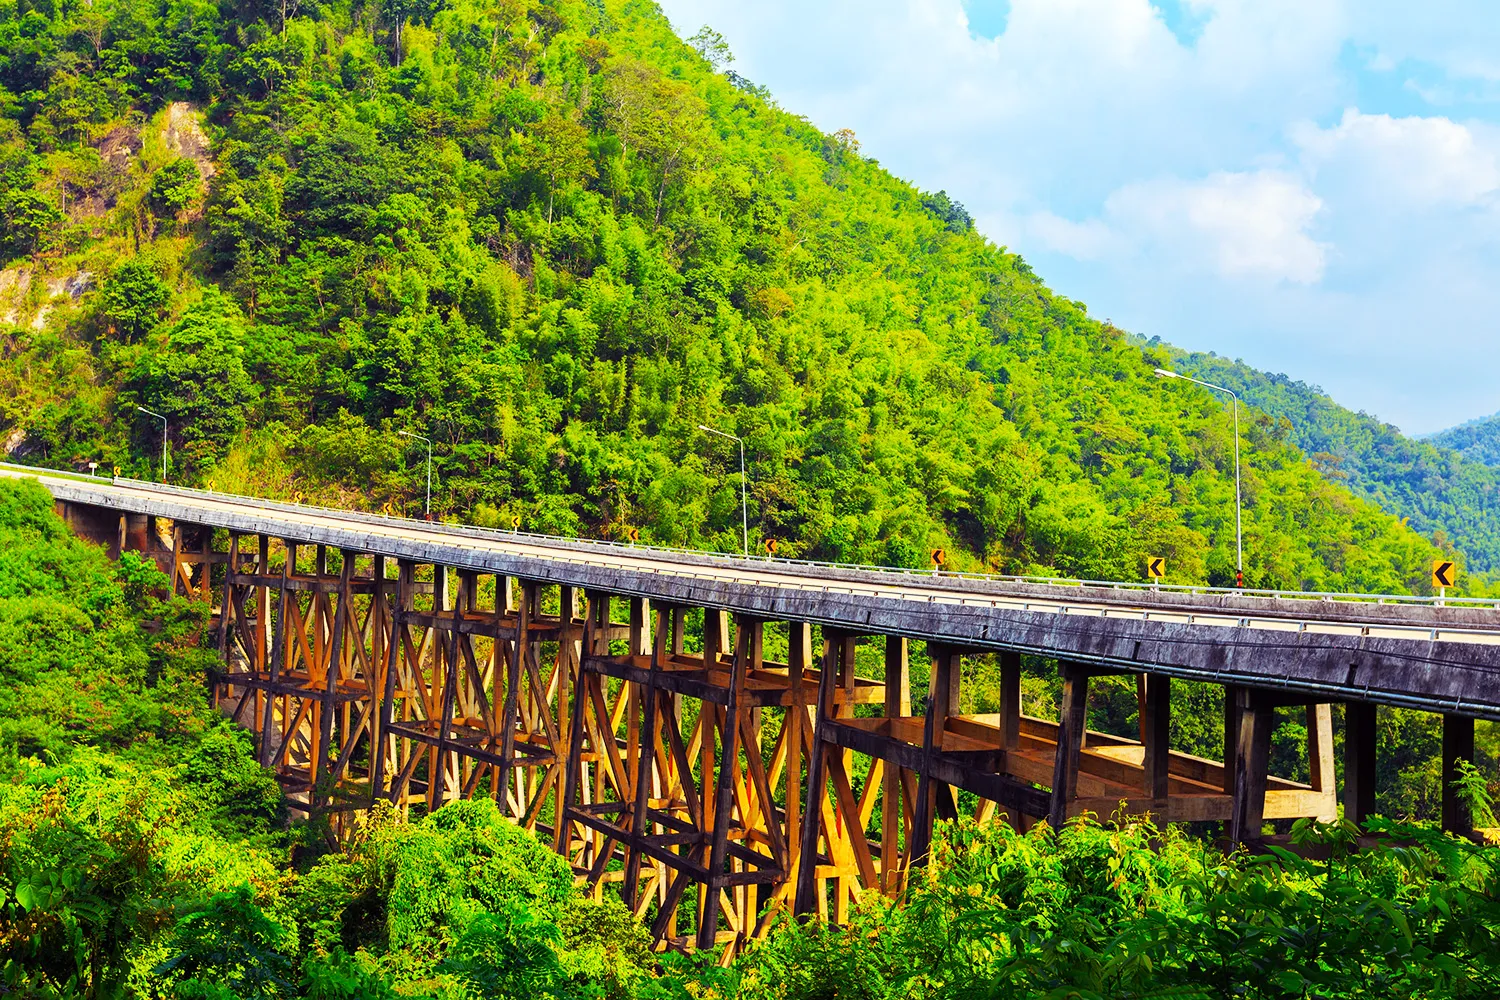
(1444, 573)
(1156, 567)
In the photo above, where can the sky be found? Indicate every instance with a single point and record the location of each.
(1312, 186)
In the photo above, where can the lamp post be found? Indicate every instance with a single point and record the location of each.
(163, 420)
(427, 511)
(1239, 539)
(744, 504)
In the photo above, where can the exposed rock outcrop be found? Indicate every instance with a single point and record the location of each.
(184, 136)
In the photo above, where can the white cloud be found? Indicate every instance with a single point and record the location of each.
(1236, 225)
(1087, 240)
(1424, 161)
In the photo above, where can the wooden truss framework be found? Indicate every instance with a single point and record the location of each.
(712, 789)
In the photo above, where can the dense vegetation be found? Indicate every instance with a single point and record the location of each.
(144, 853)
(1477, 440)
(555, 239)
(1447, 486)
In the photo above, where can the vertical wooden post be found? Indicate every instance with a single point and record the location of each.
(1010, 699)
(231, 567)
(1320, 757)
(724, 797)
(897, 705)
(1073, 717)
(647, 739)
(177, 562)
(799, 649)
(807, 872)
(437, 781)
(1458, 744)
(278, 653)
(942, 701)
(571, 775)
(1359, 761)
(1156, 721)
(331, 677)
(1231, 733)
(1252, 757)
(508, 720)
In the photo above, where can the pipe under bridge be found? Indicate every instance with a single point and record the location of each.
(723, 737)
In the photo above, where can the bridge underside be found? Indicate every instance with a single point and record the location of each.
(717, 768)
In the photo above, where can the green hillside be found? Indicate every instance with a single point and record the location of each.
(1443, 486)
(553, 238)
(1477, 440)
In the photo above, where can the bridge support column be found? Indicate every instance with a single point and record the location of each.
(1359, 761)
(1010, 700)
(1156, 720)
(935, 798)
(1252, 754)
(1458, 744)
(897, 706)
(1320, 758)
(1231, 733)
(1072, 724)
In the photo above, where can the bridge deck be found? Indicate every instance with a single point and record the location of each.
(1415, 655)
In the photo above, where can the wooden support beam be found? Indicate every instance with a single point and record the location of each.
(278, 654)
(897, 705)
(806, 899)
(1072, 723)
(1252, 755)
(1359, 761)
(725, 796)
(1010, 699)
(942, 702)
(1458, 745)
(1156, 729)
(1320, 757)
(1231, 733)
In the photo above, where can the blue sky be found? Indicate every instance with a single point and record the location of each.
(1310, 185)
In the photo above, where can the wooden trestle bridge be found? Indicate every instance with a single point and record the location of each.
(725, 738)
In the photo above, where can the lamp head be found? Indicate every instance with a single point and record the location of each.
(705, 427)
(1163, 373)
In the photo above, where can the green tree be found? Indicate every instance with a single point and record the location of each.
(134, 299)
(198, 381)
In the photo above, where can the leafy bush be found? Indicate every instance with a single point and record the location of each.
(134, 299)
(175, 186)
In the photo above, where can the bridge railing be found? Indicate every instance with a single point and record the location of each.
(801, 566)
(793, 565)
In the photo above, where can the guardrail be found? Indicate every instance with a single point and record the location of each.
(799, 566)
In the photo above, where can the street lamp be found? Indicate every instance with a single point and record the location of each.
(744, 505)
(1239, 539)
(420, 437)
(163, 420)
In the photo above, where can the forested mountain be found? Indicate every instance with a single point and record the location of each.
(1444, 486)
(554, 238)
(1477, 440)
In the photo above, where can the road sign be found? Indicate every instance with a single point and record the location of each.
(1444, 573)
(1156, 567)
(770, 544)
(634, 534)
(515, 522)
(939, 557)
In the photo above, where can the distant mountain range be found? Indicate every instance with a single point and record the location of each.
(1448, 483)
(1477, 440)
